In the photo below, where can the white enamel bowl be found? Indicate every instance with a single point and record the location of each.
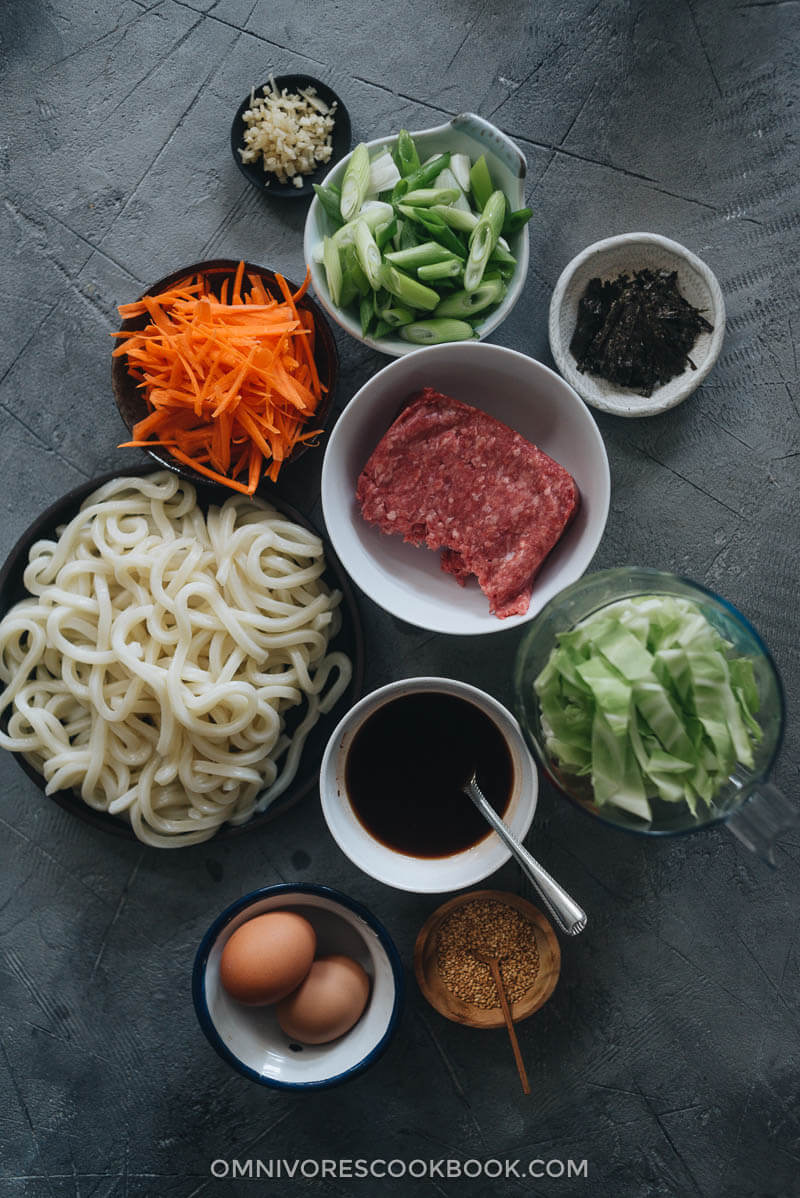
(407, 580)
(464, 134)
(250, 1039)
(425, 875)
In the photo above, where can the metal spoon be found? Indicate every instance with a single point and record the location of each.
(565, 911)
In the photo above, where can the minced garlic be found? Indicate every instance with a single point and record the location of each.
(289, 132)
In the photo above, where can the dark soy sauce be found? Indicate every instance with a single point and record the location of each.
(407, 764)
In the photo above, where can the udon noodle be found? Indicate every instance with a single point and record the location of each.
(151, 668)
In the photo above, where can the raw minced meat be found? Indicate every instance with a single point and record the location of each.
(451, 477)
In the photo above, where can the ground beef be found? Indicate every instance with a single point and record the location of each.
(451, 477)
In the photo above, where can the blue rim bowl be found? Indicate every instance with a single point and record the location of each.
(294, 895)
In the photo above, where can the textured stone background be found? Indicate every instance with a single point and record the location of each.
(669, 1054)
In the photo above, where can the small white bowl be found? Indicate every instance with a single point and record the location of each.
(425, 875)
(250, 1038)
(464, 134)
(407, 580)
(606, 260)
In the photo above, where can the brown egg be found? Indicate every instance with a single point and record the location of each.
(267, 957)
(331, 999)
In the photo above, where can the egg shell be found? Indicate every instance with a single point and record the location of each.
(328, 1003)
(267, 957)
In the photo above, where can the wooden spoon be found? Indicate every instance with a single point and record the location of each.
(494, 965)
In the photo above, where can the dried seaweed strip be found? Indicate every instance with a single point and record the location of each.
(636, 332)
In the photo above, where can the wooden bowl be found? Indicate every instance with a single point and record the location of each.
(269, 184)
(130, 399)
(447, 1003)
(350, 639)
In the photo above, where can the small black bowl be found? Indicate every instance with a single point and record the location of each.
(132, 405)
(340, 140)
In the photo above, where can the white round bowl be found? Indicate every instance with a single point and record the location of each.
(606, 260)
(464, 134)
(250, 1038)
(425, 875)
(407, 580)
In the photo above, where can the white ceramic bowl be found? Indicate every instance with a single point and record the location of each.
(250, 1039)
(464, 134)
(407, 580)
(425, 875)
(606, 260)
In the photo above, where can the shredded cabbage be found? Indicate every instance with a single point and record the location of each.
(646, 699)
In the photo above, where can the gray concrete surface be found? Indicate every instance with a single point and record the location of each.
(668, 1057)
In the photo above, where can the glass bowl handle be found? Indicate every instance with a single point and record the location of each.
(764, 815)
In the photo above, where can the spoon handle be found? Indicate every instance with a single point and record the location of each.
(565, 911)
(494, 965)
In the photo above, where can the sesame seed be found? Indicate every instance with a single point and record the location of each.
(498, 930)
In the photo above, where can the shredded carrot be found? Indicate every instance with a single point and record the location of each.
(230, 385)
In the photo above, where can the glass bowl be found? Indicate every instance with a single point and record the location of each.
(753, 808)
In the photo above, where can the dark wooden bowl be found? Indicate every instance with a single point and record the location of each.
(267, 183)
(350, 639)
(447, 1003)
(130, 399)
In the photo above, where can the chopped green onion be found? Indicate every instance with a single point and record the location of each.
(465, 222)
(448, 268)
(446, 178)
(366, 311)
(501, 256)
(376, 212)
(355, 183)
(456, 218)
(330, 198)
(383, 173)
(368, 253)
(419, 248)
(460, 165)
(466, 303)
(425, 197)
(483, 239)
(421, 178)
(419, 255)
(412, 293)
(480, 182)
(408, 236)
(349, 292)
(354, 281)
(516, 220)
(426, 174)
(385, 233)
(396, 316)
(434, 332)
(333, 269)
(373, 213)
(436, 227)
(405, 153)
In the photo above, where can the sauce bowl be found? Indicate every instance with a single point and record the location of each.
(425, 875)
